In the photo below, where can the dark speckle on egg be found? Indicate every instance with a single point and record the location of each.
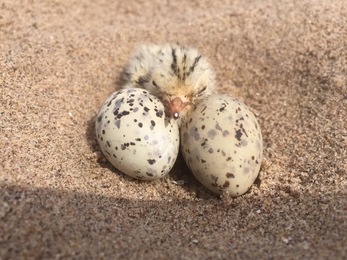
(230, 175)
(212, 133)
(195, 133)
(222, 108)
(118, 103)
(226, 184)
(238, 134)
(240, 119)
(214, 178)
(151, 161)
(100, 117)
(225, 133)
(243, 130)
(159, 113)
(119, 116)
(117, 123)
(217, 127)
(203, 144)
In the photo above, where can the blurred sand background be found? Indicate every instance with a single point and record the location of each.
(59, 60)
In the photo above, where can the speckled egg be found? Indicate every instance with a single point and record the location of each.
(221, 143)
(136, 135)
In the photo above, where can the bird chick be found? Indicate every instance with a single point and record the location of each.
(179, 76)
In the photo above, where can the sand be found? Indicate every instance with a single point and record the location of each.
(60, 198)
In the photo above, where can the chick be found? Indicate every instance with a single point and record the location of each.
(179, 76)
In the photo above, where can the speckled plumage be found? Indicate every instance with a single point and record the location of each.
(179, 76)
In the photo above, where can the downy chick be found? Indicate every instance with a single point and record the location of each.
(177, 75)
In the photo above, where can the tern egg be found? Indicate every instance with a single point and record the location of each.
(136, 135)
(221, 143)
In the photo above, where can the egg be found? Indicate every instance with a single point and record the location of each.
(136, 135)
(221, 143)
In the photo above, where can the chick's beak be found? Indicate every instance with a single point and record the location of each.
(175, 107)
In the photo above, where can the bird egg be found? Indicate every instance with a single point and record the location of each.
(136, 135)
(221, 143)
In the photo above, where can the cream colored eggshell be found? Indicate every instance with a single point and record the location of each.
(221, 143)
(135, 134)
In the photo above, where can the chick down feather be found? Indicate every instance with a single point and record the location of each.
(179, 76)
